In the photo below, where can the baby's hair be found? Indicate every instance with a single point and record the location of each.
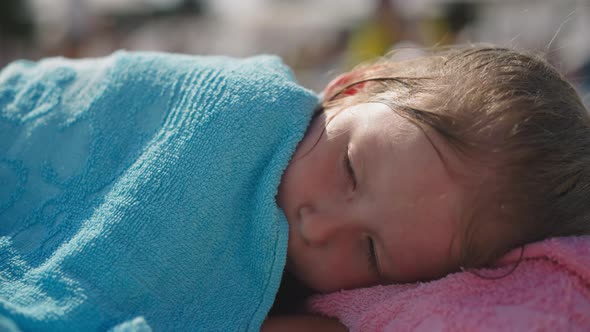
(508, 115)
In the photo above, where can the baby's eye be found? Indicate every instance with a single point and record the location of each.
(350, 170)
(372, 256)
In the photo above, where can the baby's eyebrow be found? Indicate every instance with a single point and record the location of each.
(366, 160)
(336, 133)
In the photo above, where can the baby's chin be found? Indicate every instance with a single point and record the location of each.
(296, 274)
(291, 267)
(292, 271)
(291, 296)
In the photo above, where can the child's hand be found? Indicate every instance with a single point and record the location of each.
(302, 323)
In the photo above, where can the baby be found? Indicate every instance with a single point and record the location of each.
(413, 170)
(140, 190)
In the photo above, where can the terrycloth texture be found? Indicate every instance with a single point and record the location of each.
(137, 191)
(548, 291)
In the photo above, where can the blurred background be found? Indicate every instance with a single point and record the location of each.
(317, 38)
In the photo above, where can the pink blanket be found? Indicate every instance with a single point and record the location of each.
(548, 291)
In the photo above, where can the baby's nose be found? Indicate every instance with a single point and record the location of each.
(320, 227)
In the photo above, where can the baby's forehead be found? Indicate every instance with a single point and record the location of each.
(383, 121)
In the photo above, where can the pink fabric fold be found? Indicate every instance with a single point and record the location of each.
(548, 291)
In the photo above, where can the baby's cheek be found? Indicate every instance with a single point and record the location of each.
(344, 272)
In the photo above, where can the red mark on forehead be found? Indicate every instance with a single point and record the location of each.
(344, 85)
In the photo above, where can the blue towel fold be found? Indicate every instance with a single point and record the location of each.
(138, 190)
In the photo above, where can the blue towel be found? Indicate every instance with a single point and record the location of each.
(137, 191)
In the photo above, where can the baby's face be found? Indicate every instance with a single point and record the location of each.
(370, 203)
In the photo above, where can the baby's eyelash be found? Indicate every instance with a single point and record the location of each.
(371, 256)
(349, 169)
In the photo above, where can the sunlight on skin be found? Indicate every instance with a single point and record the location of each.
(398, 192)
